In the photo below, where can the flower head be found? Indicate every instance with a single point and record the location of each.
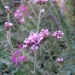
(35, 39)
(17, 57)
(40, 1)
(7, 8)
(17, 14)
(44, 33)
(58, 34)
(59, 60)
(8, 25)
(21, 13)
(22, 8)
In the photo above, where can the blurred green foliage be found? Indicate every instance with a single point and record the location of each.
(54, 20)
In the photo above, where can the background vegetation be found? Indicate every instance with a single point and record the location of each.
(53, 20)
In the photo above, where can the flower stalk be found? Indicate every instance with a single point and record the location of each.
(11, 46)
(51, 58)
(35, 53)
(38, 26)
(35, 63)
(32, 9)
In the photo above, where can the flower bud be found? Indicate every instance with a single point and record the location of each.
(7, 8)
(7, 25)
(59, 60)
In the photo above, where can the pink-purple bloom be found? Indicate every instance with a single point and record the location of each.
(7, 8)
(34, 39)
(58, 34)
(7, 25)
(17, 14)
(34, 47)
(20, 46)
(44, 33)
(22, 8)
(21, 14)
(17, 57)
(41, 1)
(59, 60)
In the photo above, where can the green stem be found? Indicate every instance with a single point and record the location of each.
(32, 9)
(47, 11)
(38, 26)
(8, 17)
(51, 58)
(35, 63)
(11, 46)
(35, 53)
(54, 63)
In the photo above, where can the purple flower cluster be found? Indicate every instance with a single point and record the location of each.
(41, 1)
(58, 34)
(17, 56)
(20, 14)
(35, 38)
(7, 25)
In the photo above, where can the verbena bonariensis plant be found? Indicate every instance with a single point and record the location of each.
(40, 53)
